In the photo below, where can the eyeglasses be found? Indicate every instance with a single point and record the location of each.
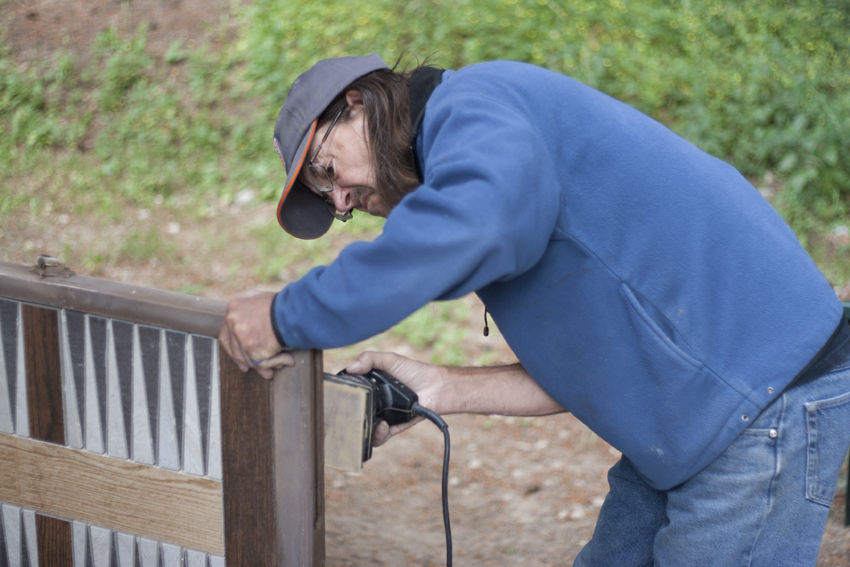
(318, 168)
(324, 175)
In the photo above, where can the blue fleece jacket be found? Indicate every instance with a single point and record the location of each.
(645, 285)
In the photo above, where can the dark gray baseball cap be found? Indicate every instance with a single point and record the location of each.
(301, 212)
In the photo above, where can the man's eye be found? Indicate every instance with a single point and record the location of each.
(330, 169)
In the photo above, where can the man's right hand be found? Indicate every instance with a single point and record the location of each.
(501, 390)
(424, 379)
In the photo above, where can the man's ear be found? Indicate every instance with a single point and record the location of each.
(355, 100)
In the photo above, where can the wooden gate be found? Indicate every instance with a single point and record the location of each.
(128, 438)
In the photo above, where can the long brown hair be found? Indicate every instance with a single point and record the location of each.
(386, 99)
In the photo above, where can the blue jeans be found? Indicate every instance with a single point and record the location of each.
(763, 502)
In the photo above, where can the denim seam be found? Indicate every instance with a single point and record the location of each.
(771, 495)
(814, 406)
(771, 492)
(812, 463)
(756, 432)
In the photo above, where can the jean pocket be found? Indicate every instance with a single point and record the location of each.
(827, 429)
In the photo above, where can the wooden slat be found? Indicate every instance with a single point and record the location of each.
(167, 506)
(346, 424)
(127, 302)
(55, 543)
(44, 374)
(247, 466)
(299, 462)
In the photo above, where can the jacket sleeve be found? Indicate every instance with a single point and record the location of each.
(485, 213)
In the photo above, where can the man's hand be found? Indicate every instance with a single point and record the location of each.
(247, 335)
(424, 379)
(502, 390)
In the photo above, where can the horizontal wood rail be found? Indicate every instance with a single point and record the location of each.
(167, 309)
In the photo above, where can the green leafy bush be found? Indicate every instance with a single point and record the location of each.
(764, 85)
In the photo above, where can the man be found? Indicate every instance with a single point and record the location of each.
(644, 286)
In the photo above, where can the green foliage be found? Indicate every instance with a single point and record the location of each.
(191, 289)
(283, 261)
(157, 123)
(145, 246)
(125, 63)
(438, 326)
(9, 203)
(34, 110)
(176, 54)
(764, 85)
(287, 259)
(154, 128)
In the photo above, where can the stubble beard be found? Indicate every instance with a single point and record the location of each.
(387, 198)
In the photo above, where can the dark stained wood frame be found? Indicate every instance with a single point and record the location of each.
(55, 545)
(272, 436)
(44, 374)
(299, 405)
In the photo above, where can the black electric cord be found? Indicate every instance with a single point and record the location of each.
(438, 421)
(396, 403)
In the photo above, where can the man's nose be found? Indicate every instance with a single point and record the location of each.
(342, 198)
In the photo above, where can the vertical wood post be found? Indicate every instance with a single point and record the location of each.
(299, 462)
(272, 443)
(247, 467)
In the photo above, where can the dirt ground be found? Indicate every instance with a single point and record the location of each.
(522, 491)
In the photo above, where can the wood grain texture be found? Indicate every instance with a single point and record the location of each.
(127, 302)
(147, 501)
(44, 374)
(55, 543)
(247, 466)
(345, 424)
(299, 462)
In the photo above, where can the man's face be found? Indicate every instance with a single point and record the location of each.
(345, 156)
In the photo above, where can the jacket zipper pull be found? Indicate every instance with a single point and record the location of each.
(486, 327)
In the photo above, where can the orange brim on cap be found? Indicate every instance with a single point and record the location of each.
(305, 215)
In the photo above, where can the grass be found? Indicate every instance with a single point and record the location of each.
(440, 328)
(144, 246)
(765, 86)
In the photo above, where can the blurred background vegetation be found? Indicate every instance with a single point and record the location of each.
(764, 85)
